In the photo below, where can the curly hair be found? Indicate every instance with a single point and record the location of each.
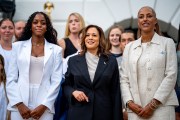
(102, 50)
(2, 70)
(50, 35)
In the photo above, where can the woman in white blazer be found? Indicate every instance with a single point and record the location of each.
(149, 71)
(35, 71)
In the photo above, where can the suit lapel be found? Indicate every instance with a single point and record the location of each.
(100, 68)
(47, 52)
(83, 68)
(27, 51)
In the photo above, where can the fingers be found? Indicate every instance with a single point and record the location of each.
(80, 96)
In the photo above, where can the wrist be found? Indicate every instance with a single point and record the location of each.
(18, 104)
(128, 102)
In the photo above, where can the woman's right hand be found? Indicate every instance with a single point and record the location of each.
(80, 96)
(135, 107)
(24, 111)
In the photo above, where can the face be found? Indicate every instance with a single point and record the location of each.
(19, 27)
(92, 39)
(39, 25)
(146, 20)
(74, 24)
(6, 30)
(125, 39)
(114, 37)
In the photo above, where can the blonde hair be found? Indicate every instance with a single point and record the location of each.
(157, 28)
(82, 23)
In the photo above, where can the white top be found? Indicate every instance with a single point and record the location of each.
(142, 74)
(92, 62)
(36, 69)
(7, 57)
(3, 102)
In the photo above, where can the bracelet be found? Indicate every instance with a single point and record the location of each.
(153, 103)
(127, 104)
(151, 107)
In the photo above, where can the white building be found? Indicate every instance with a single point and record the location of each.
(104, 13)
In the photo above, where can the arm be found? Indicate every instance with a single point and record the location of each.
(62, 44)
(56, 78)
(13, 92)
(168, 83)
(124, 81)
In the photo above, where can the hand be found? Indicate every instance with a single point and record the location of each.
(125, 115)
(80, 96)
(147, 111)
(38, 111)
(135, 107)
(24, 111)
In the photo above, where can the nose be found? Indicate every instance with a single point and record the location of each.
(39, 24)
(127, 41)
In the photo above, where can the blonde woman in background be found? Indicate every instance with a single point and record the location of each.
(71, 42)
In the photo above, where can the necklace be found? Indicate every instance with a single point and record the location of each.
(37, 44)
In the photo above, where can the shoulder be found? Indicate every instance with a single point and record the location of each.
(61, 43)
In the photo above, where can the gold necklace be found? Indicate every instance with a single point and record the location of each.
(37, 44)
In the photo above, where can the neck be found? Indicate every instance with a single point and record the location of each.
(94, 51)
(146, 37)
(74, 36)
(115, 50)
(37, 40)
(7, 45)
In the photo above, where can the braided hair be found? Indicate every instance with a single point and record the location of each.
(50, 35)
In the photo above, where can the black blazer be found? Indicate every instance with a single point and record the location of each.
(103, 93)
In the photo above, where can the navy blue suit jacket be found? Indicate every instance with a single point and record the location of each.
(103, 93)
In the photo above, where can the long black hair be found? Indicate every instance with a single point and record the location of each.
(50, 34)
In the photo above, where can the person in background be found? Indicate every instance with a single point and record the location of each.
(19, 28)
(34, 80)
(177, 87)
(6, 33)
(3, 95)
(126, 37)
(71, 42)
(149, 71)
(113, 41)
(92, 80)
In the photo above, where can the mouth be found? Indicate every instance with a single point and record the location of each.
(145, 24)
(90, 42)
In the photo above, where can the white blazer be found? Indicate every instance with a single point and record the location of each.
(18, 75)
(162, 71)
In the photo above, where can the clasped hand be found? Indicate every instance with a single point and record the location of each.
(26, 113)
(145, 112)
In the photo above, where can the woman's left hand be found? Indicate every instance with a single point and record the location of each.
(146, 112)
(38, 111)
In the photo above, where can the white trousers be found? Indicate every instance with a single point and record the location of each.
(15, 115)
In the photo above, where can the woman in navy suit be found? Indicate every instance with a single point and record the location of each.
(92, 80)
(36, 71)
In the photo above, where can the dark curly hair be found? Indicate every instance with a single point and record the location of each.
(50, 35)
(2, 70)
